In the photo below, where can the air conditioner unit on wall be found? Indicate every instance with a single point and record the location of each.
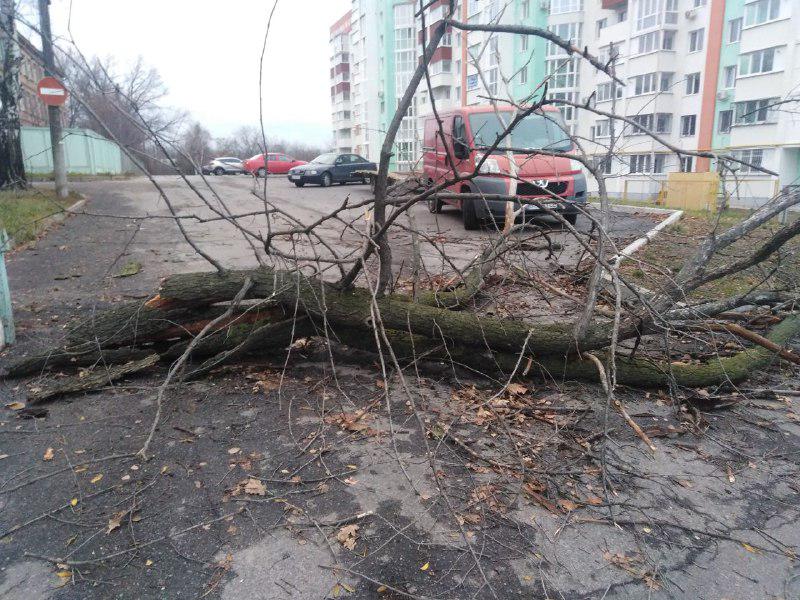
(545, 5)
(722, 95)
(691, 13)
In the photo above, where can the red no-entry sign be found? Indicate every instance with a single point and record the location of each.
(52, 91)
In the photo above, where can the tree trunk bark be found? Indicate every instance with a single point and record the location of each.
(12, 167)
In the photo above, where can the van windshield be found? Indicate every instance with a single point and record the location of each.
(534, 132)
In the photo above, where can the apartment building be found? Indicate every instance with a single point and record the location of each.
(340, 85)
(702, 74)
(32, 111)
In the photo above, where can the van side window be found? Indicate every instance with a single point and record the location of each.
(459, 131)
(460, 145)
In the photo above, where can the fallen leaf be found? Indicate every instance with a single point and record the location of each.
(2, 456)
(96, 478)
(126, 478)
(349, 588)
(750, 548)
(347, 536)
(234, 450)
(64, 574)
(148, 562)
(74, 502)
(48, 454)
(15, 405)
(594, 500)
(164, 469)
(351, 481)
(115, 522)
(132, 268)
(425, 567)
(381, 589)
(255, 487)
(516, 389)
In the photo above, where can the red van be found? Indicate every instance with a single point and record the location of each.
(469, 129)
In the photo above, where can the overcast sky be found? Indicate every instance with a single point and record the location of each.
(207, 52)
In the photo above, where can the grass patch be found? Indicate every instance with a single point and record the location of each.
(22, 213)
(664, 256)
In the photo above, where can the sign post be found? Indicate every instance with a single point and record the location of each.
(54, 95)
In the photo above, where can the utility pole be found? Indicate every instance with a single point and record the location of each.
(53, 112)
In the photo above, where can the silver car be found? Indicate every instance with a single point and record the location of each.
(225, 165)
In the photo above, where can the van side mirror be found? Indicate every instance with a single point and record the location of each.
(460, 150)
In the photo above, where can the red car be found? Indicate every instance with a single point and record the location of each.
(276, 163)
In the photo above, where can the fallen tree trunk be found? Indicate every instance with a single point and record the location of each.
(97, 379)
(638, 372)
(353, 308)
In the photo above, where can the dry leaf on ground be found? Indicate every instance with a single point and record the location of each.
(48, 454)
(347, 536)
(255, 487)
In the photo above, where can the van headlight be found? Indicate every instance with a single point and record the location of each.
(311, 172)
(489, 165)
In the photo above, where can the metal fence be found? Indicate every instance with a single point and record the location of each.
(86, 152)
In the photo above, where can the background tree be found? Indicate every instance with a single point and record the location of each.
(12, 168)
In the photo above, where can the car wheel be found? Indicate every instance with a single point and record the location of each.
(262, 172)
(299, 183)
(219, 171)
(571, 219)
(469, 215)
(326, 180)
(435, 205)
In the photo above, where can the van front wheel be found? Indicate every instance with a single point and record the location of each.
(469, 215)
(571, 219)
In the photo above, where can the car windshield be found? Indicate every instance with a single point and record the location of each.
(325, 159)
(535, 132)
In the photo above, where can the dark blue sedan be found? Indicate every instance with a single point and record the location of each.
(331, 168)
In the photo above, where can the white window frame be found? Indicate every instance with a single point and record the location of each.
(696, 40)
(753, 15)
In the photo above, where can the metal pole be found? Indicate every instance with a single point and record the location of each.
(6, 316)
(53, 112)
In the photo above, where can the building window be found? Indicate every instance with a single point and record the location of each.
(563, 73)
(663, 123)
(729, 77)
(601, 24)
(725, 121)
(605, 91)
(648, 42)
(566, 31)
(647, 14)
(523, 75)
(602, 128)
(650, 83)
(659, 160)
(640, 163)
(668, 40)
(523, 43)
(698, 3)
(558, 7)
(734, 30)
(754, 112)
(692, 84)
(761, 11)
(696, 40)
(752, 156)
(688, 125)
(687, 164)
(525, 9)
(491, 77)
(643, 122)
(760, 61)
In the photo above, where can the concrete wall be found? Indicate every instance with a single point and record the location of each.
(86, 152)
